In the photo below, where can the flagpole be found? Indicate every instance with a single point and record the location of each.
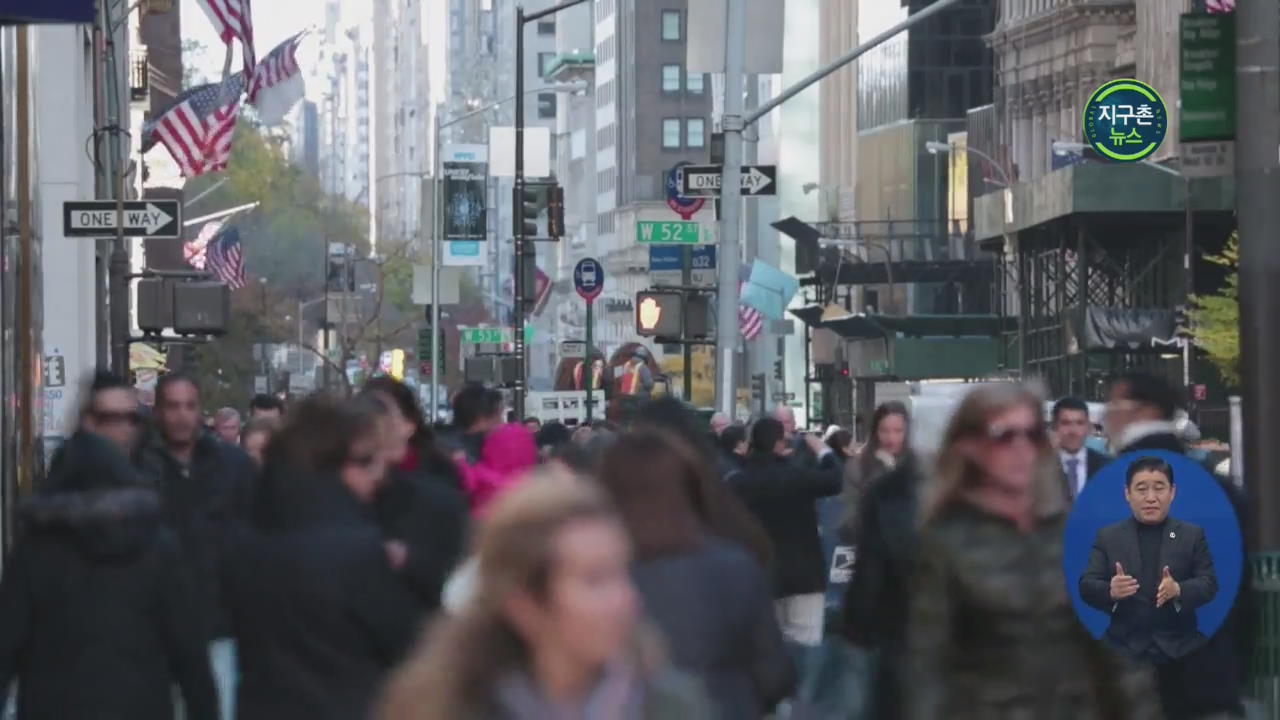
(221, 213)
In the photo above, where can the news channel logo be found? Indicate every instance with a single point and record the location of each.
(1125, 120)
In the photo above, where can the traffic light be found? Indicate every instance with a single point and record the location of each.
(555, 212)
(341, 275)
(777, 369)
(757, 386)
(659, 314)
(528, 205)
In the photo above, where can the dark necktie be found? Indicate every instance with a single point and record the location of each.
(1073, 476)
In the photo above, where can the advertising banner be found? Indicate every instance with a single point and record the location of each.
(464, 200)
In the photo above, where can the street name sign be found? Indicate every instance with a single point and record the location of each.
(486, 336)
(704, 180)
(673, 232)
(161, 219)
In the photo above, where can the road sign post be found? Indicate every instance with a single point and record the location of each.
(588, 280)
(158, 219)
(704, 180)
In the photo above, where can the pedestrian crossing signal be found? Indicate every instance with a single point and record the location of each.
(659, 314)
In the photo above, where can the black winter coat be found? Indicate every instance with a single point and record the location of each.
(430, 516)
(206, 505)
(783, 497)
(715, 608)
(97, 616)
(318, 614)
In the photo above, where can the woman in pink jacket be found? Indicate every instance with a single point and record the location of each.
(508, 453)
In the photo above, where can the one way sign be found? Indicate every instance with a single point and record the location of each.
(142, 218)
(704, 180)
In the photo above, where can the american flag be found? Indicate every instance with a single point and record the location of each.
(1219, 7)
(196, 251)
(225, 258)
(278, 66)
(198, 127)
(750, 320)
(233, 19)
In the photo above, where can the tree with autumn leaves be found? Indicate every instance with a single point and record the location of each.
(1215, 319)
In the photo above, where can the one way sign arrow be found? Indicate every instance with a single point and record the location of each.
(142, 218)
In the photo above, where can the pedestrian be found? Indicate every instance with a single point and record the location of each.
(206, 489)
(477, 410)
(256, 435)
(718, 422)
(552, 628)
(551, 437)
(226, 424)
(266, 406)
(709, 597)
(97, 617)
(990, 630)
(887, 447)
(1141, 415)
(421, 506)
(533, 424)
(508, 453)
(318, 611)
(733, 446)
(783, 497)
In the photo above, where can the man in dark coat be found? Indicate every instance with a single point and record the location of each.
(1150, 572)
(97, 615)
(206, 490)
(783, 498)
(1140, 416)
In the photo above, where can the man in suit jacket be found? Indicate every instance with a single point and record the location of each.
(1071, 427)
(1150, 572)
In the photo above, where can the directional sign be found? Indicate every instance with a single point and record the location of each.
(665, 263)
(588, 278)
(703, 266)
(704, 180)
(142, 218)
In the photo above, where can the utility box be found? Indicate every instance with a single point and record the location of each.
(201, 308)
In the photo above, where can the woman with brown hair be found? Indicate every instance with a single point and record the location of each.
(551, 630)
(706, 593)
(991, 632)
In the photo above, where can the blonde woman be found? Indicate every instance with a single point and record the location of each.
(551, 630)
(991, 634)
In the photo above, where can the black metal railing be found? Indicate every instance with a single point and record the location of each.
(139, 75)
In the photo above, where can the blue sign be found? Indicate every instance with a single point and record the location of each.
(47, 11)
(667, 257)
(703, 257)
(588, 278)
(1125, 120)
(683, 206)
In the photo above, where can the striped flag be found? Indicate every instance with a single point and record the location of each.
(750, 320)
(225, 258)
(197, 128)
(1219, 7)
(233, 20)
(196, 251)
(277, 82)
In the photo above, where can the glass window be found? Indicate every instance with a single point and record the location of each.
(671, 133)
(670, 78)
(546, 27)
(670, 24)
(545, 60)
(546, 105)
(693, 83)
(695, 132)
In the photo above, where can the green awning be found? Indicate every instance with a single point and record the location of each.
(865, 327)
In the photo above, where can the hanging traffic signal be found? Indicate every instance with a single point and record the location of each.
(555, 212)
(777, 369)
(528, 205)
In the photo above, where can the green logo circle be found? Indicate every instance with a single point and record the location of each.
(1125, 120)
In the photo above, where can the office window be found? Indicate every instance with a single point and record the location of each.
(671, 134)
(695, 133)
(546, 105)
(670, 24)
(693, 83)
(670, 78)
(545, 59)
(546, 27)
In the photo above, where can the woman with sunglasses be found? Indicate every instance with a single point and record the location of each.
(318, 612)
(990, 631)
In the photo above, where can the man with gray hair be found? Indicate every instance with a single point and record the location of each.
(802, 455)
(226, 424)
(720, 421)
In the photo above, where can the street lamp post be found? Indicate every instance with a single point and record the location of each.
(1061, 147)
